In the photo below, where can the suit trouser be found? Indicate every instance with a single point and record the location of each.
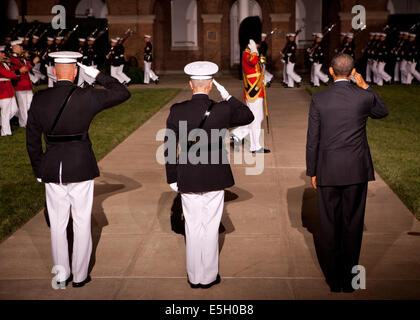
(6, 106)
(24, 99)
(202, 212)
(318, 74)
(83, 77)
(341, 212)
(397, 70)
(254, 128)
(382, 75)
(285, 73)
(412, 72)
(61, 199)
(51, 76)
(404, 71)
(149, 73)
(369, 70)
(292, 76)
(117, 73)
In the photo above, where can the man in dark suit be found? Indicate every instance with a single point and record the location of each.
(339, 162)
(68, 166)
(202, 182)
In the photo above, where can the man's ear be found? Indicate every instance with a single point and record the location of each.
(353, 72)
(55, 72)
(211, 85)
(191, 85)
(331, 71)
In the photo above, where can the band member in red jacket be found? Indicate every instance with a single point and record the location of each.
(8, 104)
(254, 91)
(23, 88)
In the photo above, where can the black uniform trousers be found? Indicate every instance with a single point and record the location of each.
(341, 212)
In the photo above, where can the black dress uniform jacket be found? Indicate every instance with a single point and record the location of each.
(226, 114)
(77, 158)
(337, 150)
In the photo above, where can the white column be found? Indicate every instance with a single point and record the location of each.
(243, 9)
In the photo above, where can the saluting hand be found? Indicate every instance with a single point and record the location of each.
(90, 71)
(223, 92)
(313, 182)
(252, 46)
(359, 80)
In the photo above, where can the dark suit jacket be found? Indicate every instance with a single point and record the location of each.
(204, 177)
(337, 150)
(78, 160)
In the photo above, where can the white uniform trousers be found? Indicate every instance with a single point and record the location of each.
(83, 77)
(202, 212)
(382, 75)
(369, 70)
(412, 72)
(51, 76)
(284, 72)
(312, 72)
(117, 73)
(375, 71)
(254, 128)
(397, 71)
(24, 99)
(292, 76)
(267, 75)
(61, 199)
(149, 73)
(6, 106)
(319, 75)
(404, 71)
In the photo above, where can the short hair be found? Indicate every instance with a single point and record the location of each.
(200, 84)
(342, 64)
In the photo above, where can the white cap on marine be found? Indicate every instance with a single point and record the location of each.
(350, 35)
(201, 70)
(319, 35)
(65, 56)
(147, 36)
(16, 42)
(263, 34)
(2, 48)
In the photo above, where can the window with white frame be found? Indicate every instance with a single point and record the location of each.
(184, 24)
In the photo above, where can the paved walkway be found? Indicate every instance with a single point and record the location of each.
(269, 224)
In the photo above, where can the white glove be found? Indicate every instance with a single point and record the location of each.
(223, 92)
(90, 71)
(39, 179)
(252, 46)
(174, 186)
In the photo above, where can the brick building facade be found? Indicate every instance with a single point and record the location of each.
(213, 25)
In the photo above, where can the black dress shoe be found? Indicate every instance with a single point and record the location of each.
(298, 84)
(193, 285)
(81, 284)
(65, 283)
(211, 284)
(156, 81)
(262, 150)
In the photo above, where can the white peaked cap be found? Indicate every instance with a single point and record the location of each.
(263, 34)
(349, 35)
(343, 34)
(91, 38)
(82, 39)
(26, 38)
(319, 35)
(35, 36)
(371, 33)
(114, 40)
(412, 34)
(59, 38)
(65, 56)
(314, 33)
(16, 42)
(21, 38)
(201, 70)
(383, 34)
(147, 36)
(292, 34)
(2, 48)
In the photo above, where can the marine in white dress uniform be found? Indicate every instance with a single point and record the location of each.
(148, 59)
(202, 184)
(63, 115)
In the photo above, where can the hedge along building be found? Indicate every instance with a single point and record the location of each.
(187, 30)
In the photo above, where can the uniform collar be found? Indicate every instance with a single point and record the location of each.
(63, 83)
(200, 96)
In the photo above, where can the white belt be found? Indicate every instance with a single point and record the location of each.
(4, 79)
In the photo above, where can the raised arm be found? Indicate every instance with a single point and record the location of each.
(240, 114)
(378, 109)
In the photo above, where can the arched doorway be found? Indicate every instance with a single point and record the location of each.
(91, 8)
(308, 17)
(254, 10)
(12, 10)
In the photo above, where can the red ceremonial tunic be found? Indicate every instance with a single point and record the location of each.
(25, 82)
(250, 66)
(6, 88)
